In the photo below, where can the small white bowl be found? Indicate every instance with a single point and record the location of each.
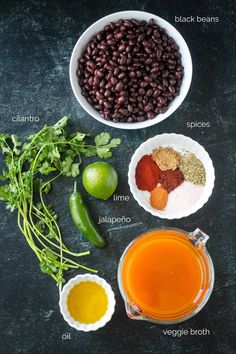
(64, 309)
(180, 143)
(98, 26)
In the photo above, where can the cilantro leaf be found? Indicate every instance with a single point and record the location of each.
(62, 123)
(46, 168)
(75, 169)
(114, 142)
(4, 192)
(104, 152)
(102, 139)
(78, 136)
(53, 153)
(16, 143)
(66, 165)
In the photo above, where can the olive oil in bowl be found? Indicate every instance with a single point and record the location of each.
(87, 302)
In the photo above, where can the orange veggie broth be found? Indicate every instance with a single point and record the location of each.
(164, 275)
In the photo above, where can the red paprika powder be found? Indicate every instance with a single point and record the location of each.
(171, 179)
(147, 174)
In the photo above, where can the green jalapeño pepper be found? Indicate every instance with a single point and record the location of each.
(82, 219)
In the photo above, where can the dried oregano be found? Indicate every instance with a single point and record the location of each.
(193, 169)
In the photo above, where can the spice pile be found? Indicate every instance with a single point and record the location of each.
(175, 180)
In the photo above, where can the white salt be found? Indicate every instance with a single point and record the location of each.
(183, 197)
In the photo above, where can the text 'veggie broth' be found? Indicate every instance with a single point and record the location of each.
(87, 302)
(162, 274)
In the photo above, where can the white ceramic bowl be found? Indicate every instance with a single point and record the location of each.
(180, 143)
(64, 309)
(98, 26)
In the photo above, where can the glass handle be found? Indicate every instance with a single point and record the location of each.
(199, 238)
(133, 311)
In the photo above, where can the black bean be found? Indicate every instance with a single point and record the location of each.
(123, 111)
(161, 87)
(165, 82)
(132, 74)
(121, 76)
(180, 68)
(130, 108)
(99, 73)
(172, 82)
(123, 67)
(175, 47)
(146, 44)
(149, 92)
(107, 105)
(99, 36)
(132, 43)
(107, 93)
(171, 67)
(121, 48)
(148, 50)
(163, 109)
(121, 100)
(171, 89)
(153, 84)
(141, 91)
(116, 71)
(138, 74)
(119, 86)
(150, 115)
(119, 35)
(151, 22)
(178, 75)
(116, 116)
(148, 107)
(90, 81)
(114, 80)
(123, 60)
(96, 80)
(108, 85)
(141, 119)
(141, 37)
(98, 107)
(158, 53)
(144, 84)
(161, 100)
(156, 93)
(165, 74)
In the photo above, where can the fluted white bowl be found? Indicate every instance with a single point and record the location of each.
(64, 308)
(180, 143)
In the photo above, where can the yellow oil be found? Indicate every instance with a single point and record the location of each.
(87, 302)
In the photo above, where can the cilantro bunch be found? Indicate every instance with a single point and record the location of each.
(31, 168)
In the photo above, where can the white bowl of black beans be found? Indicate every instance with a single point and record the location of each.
(130, 70)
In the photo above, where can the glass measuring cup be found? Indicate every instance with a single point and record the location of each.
(166, 276)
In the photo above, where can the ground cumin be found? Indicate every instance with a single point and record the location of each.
(166, 158)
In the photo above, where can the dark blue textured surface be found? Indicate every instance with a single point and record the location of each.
(36, 40)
